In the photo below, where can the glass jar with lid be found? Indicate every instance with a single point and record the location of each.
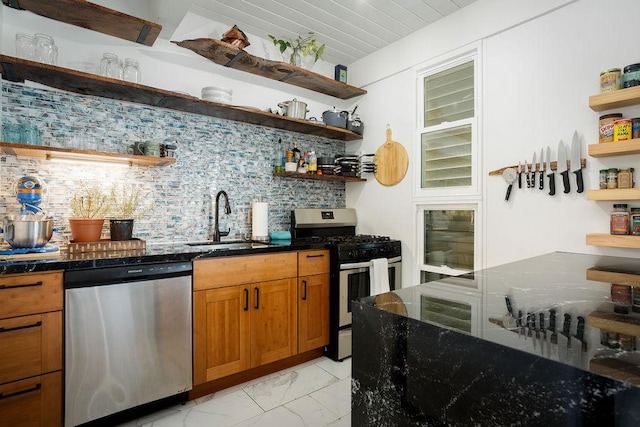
(131, 71)
(619, 219)
(631, 76)
(624, 178)
(612, 178)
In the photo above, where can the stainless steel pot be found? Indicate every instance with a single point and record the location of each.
(335, 118)
(294, 109)
(27, 231)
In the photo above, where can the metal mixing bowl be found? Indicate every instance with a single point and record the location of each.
(27, 231)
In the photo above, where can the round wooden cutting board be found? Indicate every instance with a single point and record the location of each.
(392, 162)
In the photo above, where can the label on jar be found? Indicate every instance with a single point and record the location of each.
(622, 130)
(605, 128)
(610, 80)
(619, 223)
(624, 178)
(635, 223)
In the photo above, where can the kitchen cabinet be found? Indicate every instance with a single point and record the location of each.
(31, 339)
(230, 56)
(93, 17)
(245, 313)
(602, 102)
(19, 70)
(313, 299)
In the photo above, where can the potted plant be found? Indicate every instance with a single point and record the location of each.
(303, 49)
(125, 205)
(89, 206)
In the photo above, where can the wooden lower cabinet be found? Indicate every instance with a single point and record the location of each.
(35, 401)
(243, 326)
(313, 299)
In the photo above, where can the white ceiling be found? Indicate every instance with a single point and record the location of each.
(351, 29)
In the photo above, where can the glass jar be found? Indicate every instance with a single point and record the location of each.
(44, 48)
(106, 57)
(634, 221)
(114, 68)
(603, 178)
(131, 72)
(25, 46)
(612, 178)
(631, 76)
(624, 178)
(619, 219)
(610, 80)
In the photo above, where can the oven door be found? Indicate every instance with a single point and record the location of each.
(355, 284)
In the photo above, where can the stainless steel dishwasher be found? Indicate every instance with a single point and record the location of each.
(127, 338)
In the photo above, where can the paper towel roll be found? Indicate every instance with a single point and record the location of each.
(260, 221)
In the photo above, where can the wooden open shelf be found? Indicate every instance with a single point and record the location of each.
(93, 17)
(230, 56)
(618, 148)
(616, 99)
(19, 70)
(616, 368)
(614, 240)
(627, 279)
(614, 194)
(319, 177)
(619, 323)
(36, 151)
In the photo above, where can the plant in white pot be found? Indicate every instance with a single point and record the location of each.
(125, 205)
(89, 206)
(305, 51)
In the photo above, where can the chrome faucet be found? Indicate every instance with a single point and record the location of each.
(227, 211)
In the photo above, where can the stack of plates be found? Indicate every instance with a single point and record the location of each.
(220, 95)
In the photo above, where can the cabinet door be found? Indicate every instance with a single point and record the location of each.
(221, 333)
(23, 294)
(273, 321)
(313, 306)
(35, 401)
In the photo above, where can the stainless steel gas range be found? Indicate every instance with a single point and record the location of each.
(351, 255)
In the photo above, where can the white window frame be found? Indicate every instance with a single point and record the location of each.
(473, 190)
(451, 198)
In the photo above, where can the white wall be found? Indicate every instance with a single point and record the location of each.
(538, 71)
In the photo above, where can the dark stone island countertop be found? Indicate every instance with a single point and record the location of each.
(153, 252)
(447, 353)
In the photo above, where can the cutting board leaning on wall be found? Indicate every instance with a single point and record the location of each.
(392, 162)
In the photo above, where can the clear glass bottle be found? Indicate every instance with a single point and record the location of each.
(313, 162)
(619, 219)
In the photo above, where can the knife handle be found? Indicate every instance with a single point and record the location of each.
(541, 187)
(533, 178)
(552, 319)
(528, 180)
(519, 320)
(541, 315)
(552, 184)
(565, 181)
(519, 179)
(579, 182)
(580, 328)
(567, 324)
(509, 307)
(506, 197)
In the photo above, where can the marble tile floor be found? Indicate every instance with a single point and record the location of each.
(313, 394)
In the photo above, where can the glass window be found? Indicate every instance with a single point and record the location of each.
(446, 156)
(449, 95)
(449, 238)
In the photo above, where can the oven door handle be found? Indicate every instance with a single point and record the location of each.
(366, 264)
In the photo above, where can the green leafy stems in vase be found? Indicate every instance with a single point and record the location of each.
(301, 48)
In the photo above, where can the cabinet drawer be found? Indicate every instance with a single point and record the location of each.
(35, 401)
(313, 262)
(31, 345)
(240, 270)
(23, 294)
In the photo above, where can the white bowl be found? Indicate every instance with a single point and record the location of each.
(218, 99)
(214, 90)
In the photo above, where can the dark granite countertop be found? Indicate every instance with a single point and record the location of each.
(453, 355)
(153, 252)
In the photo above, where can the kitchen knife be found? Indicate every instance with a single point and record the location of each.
(550, 173)
(541, 187)
(534, 331)
(543, 332)
(509, 320)
(562, 166)
(576, 166)
(551, 331)
(519, 175)
(534, 167)
(520, 324)
(576, 343)
(526, 172)
(527, 326)
(563, 339)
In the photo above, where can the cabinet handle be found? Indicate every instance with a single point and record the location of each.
(18, 393)
(257, 298)
(304, 290)
(35, 325)
(246, 299)
(316, 256)
(28, 285)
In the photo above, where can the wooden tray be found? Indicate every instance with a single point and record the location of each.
(107, 246)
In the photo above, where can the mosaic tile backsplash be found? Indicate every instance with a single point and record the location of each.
(212, 155)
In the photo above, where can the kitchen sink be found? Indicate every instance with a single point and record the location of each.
(221, 246)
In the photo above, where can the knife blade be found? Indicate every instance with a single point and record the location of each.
(541, 187)
(550, 173)
(563, 339)
(551, 331)
(562, 166)
(576, 343)
(534, 331)
(534, 167)
(543, 333)
(526, 172)
(519, 174)
(576, 166)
